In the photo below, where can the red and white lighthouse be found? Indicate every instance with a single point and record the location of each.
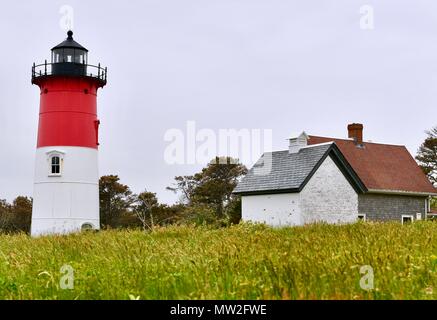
(66, 190)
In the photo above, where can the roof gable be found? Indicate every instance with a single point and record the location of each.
(291, 172)
(381, 166)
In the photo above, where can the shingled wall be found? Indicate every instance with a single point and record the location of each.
(381, 207)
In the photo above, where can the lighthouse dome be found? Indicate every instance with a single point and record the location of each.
(69, 51)
(70, 43)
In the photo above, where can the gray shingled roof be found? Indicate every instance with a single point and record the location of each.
(288, 171)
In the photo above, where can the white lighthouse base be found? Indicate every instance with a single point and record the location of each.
(67, 202)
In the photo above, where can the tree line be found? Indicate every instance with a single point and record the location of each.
(16, 217)
(204, 198)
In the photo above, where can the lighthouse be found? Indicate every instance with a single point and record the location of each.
(66, 185)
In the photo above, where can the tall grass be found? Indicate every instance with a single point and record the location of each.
(241, 262)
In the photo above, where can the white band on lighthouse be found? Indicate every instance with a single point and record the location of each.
(66, 190)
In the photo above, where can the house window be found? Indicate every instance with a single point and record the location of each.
(362, 217)
(407, 219)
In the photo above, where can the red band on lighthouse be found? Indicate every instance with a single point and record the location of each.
(68, 112)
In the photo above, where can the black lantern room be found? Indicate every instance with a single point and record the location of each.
(69, 51)
(69, 58)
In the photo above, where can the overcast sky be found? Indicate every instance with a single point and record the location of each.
(255, 64)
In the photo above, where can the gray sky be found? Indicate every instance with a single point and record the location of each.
(256, 64)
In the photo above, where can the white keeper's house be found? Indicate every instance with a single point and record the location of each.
(321, 179)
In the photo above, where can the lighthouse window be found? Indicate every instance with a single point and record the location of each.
(79, 57)
(67, 55)
(56, 165)
(58, 56)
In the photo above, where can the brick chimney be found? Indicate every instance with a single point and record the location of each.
(355, 131)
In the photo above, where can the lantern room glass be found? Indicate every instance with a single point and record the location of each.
(69, 55)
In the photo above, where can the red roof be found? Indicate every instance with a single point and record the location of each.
(382, 166)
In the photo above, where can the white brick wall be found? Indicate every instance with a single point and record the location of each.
(275, 209)
(329, 197)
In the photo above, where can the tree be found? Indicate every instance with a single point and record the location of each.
(217, 182)
(21, 211)
(233, 210)
(427, 155)
(199, 214)
(5, 216)
(186, 186)
(213, 186)
(16, 217)
(115, 200)
(144, 207)
(167, 215)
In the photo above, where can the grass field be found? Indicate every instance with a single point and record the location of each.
(242, 262)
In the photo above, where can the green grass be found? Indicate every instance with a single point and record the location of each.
(242, 262)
